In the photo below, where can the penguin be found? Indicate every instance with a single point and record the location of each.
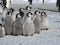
(17, 27)
(37, 21)
(8, 23)
(45, 21)
(28, 26)
(2, 31)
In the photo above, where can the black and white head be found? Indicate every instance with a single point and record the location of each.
(21, 9)
(18, 15)
(37, 12)
(11, 10)
(29, 14)
(28, 8)
(43, 14)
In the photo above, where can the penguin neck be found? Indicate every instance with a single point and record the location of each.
(9, 16)
(37, 15)
(29, 19)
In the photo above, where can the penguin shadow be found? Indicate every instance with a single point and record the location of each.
(17, 35)
(44, 29)
(27, 35)
(36, 32)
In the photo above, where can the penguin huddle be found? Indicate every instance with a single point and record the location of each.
(23, 22)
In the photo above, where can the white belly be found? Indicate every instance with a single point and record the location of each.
(45, 23)
(28, 28)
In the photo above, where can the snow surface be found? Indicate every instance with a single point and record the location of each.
(34, 1)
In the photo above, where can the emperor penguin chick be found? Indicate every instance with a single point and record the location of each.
(28, 26)
(17, 27)
(45, 21)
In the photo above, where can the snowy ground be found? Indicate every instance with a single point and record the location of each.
(34, 1)
(50, 37)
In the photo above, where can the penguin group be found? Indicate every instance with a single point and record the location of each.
(24, 22)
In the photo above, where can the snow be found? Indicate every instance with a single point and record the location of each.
(20, 2)
(34, 1)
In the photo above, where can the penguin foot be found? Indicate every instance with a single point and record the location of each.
(31, 34)
(22, 34)
(38, 32)
(46, 29)
(25, 35)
